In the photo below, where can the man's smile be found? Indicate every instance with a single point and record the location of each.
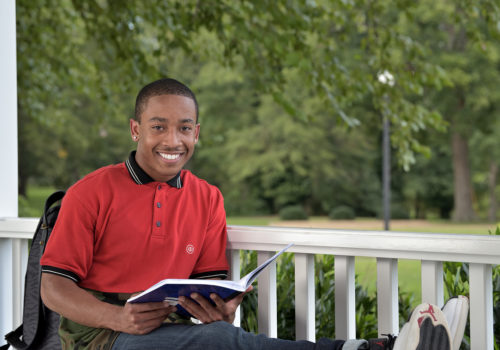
(170, 156)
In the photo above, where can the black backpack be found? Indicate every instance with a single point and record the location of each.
(40, 325)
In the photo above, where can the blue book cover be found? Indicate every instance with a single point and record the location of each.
(171, 289)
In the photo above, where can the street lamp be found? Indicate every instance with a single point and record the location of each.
(386, 77)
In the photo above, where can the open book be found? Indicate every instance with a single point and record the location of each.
(170, 289)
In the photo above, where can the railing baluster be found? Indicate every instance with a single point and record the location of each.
(233, 257)
(432, 282)
(305, 313)
(345, 313)
(267, 315)
(481, 306)
(387, 296)
(17, 280)
(7, 318)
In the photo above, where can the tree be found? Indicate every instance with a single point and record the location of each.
(465, 45)
(307, 68)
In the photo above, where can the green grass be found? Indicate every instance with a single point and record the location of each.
(32, 205)
(251, 220)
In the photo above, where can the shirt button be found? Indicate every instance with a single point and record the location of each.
(158, 205)
(159, 187)
(158, 223)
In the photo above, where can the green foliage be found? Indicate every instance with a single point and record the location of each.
(342, 212)
(290, 100)
(366, 304)
(294, 212)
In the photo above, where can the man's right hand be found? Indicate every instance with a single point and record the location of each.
(142, 318)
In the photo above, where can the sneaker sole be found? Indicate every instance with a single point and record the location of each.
(456, 311)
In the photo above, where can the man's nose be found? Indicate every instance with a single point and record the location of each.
(171, 138)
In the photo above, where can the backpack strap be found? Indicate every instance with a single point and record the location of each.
(46, 223)
(14, 338)
(34, 310)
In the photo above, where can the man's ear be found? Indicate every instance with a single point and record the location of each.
(134, 129)
(197, 133)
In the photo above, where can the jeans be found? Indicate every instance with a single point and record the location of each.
(214, 336)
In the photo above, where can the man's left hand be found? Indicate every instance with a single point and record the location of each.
(206, 312)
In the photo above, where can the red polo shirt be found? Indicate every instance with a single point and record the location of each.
(114, 234)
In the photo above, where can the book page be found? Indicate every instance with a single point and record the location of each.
(248, 279)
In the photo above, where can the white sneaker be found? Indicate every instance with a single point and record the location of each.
(456, 310)
(427, 329)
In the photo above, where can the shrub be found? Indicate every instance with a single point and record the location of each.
(342, 212)
(293, 212)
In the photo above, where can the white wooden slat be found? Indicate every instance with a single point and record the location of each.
(432, 282)
(387, 296)
(481, 306)
(345, 313)
(233, 257)
(305, 308)
(17, 281)
(267, 303)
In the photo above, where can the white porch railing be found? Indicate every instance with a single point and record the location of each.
(480, 251)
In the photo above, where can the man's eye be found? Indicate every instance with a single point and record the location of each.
(186, 128)
(157, 127)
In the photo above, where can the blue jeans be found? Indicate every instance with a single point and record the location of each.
(214, 336)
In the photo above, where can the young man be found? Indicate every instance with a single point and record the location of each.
(124, 227)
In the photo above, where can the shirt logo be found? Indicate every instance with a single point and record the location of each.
(190, 249)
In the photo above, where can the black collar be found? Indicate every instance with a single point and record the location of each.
(140, 177)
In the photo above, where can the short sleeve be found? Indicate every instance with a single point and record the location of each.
(212, 262)
(69, 251)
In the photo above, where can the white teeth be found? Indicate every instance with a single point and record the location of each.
(169, 156)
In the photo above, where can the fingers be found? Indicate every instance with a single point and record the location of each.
(202, 309)
(142, 318)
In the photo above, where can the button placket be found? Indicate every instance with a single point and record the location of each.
(157, 224)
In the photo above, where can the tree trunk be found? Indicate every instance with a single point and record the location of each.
(492, 184)
(463, 210)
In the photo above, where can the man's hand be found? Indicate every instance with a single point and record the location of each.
(204, 311)
(142, 318)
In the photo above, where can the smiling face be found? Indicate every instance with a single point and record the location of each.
(166, 135)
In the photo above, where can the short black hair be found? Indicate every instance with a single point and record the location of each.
(165, 86)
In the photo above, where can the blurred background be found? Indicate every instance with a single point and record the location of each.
(294, 97)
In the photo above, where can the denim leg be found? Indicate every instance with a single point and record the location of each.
(214, 336)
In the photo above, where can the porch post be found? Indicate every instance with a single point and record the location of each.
(8, 175)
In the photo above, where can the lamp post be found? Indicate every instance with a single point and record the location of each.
(386, 78)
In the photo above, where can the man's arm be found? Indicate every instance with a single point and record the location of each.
(69, 300)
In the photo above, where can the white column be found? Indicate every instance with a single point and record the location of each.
(345, 303)
(387, 296)
(432, 282)
(305, 306)
(267, 304)
(481, 306)
(8, 145)
(233, 258)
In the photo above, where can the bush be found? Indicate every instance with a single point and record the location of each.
(366, 304)
(293, 212)
(342, 212)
